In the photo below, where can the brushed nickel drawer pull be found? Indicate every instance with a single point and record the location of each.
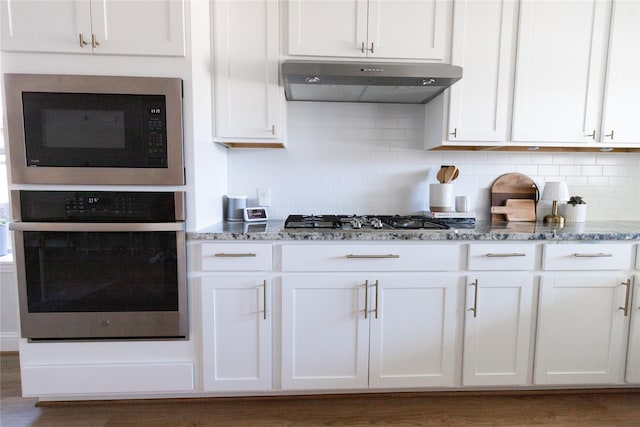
(490, 255)
(475, 299)
(351, 256)
(82, 42)
(626, 298)
(264, 298)
(225, 255)
(376, 285)
(598, 255)
(366, 299)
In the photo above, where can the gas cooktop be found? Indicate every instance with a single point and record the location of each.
(363, 222)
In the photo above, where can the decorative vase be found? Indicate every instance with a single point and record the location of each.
(577, 213)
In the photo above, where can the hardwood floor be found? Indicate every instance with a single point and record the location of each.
(402, 409)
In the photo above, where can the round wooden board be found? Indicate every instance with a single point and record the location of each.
(512, 186)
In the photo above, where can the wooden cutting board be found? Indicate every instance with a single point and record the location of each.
(517, 210)
(512, 186)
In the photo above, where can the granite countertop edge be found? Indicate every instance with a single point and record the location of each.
(483, 231)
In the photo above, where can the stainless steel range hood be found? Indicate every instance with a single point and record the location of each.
(397, 83)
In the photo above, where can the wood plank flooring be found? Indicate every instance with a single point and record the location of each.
(603, 408)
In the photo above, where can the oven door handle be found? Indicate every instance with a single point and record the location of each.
(97, 226)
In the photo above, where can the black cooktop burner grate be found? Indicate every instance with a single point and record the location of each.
(363, 222)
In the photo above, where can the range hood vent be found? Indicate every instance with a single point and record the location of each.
(396, 83)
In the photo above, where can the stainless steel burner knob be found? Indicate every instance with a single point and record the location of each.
(376, 223)
(356, 223)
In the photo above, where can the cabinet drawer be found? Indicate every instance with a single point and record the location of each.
(370, 257)
(235, 256)
(503, 256)
(586, 256)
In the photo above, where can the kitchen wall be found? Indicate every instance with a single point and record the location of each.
(368, 158)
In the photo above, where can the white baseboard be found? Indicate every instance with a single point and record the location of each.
(9, 341)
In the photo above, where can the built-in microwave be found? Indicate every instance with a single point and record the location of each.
(76, 129)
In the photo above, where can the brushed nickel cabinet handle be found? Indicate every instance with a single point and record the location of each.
(371, 47)
(362, 48)
(94, 41)
(610, 135)
(264, 299)
(625, 309)
(352, 256)
(376, 285)
(592, 135)
(475, 299)
(226, 255)
(513, 254)
(82, 42)
(273, 129)
(366, 299)
(454, 133)
(598, 255)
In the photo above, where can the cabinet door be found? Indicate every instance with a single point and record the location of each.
(407, 29)
(139, 27)
(484, 34)
(325, 336)
(582, 329)
(621, 109)
(560, 70)
(236, 333)
(328, 28)
(46, 26)
(497, 329)
(633, 359)
(247, 97)
(413, 330)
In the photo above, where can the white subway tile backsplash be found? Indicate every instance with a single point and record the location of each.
(592, 170)
(365, 158)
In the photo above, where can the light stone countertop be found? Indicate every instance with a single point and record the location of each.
(483, 230)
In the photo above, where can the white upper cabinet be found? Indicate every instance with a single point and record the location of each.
(562, 48)
(128, 27)
(249, 105)
(483, 44)
(620, 123)
(403, 29)
(578, 74)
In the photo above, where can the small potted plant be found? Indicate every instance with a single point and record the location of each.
(575, 210)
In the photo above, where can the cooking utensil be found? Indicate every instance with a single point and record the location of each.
(449, 172)
(440, 174)
(455, 175)
(517, 210)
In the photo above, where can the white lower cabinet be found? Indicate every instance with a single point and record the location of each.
(497, 329)
(325, 336)
(633, 358)
(582, 329)
(413, 327)
(584, 312)
(354, 331)
(236, 337)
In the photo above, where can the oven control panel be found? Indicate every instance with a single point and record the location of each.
(98, 206)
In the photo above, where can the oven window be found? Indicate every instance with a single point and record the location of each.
(101, 271)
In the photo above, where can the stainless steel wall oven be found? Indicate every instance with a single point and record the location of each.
(100, 264)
